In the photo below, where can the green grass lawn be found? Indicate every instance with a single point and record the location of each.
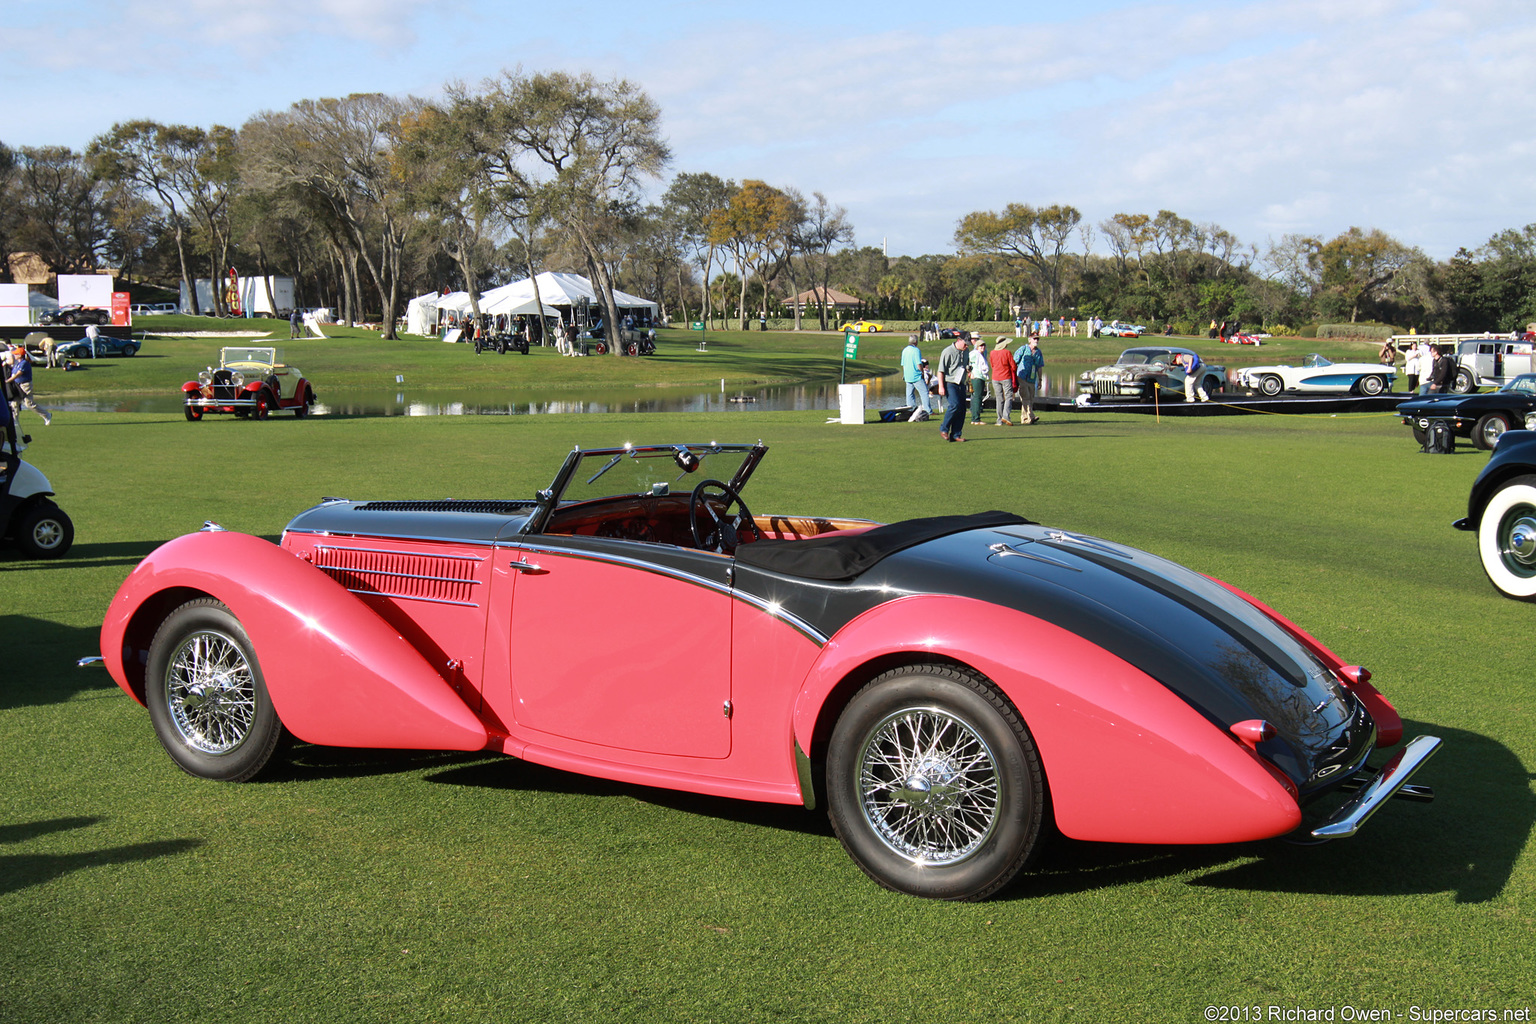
(392, 886)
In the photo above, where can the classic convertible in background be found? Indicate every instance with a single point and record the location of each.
(1318, 374)
(252, 382)
(953, 688)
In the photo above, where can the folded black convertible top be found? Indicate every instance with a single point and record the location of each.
(844, 556)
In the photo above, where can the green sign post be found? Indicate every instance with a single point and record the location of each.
(850, 351)
(698, 325)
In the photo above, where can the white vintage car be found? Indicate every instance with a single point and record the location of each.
(1318, 374)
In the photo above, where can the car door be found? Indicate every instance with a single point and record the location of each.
(622, 644)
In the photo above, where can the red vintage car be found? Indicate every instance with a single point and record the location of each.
(949, 687)
(252, 382)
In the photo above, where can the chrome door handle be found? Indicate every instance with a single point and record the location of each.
(528, 568)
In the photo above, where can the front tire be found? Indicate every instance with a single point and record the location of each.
(1270, 385)
(263, 406)
(1372, 386)
(934, 785)
(45, 532)
(1488, 430)
(194, 412)
(207, 698)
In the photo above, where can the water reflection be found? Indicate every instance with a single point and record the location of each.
(880, 393)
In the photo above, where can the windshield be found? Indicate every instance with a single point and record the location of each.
(237, 356)
(1525, 384)
(1143, 355)
(1316, 360)
(653, 469)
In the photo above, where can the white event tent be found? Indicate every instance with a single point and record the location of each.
(565, 290)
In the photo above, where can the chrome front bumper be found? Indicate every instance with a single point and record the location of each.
(1391, 780)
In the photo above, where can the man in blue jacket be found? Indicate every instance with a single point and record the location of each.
(912, 373)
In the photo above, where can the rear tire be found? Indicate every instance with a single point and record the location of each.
(1372, 386)
(1488, 430)
(934, 785)
(1463, 384)
(207, 698)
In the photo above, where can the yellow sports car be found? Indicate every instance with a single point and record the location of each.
(863, 327)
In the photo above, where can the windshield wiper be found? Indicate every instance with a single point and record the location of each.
(610, 464)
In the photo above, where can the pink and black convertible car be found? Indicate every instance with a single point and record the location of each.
(952, 688)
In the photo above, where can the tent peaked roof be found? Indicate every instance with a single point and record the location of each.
(559, 289)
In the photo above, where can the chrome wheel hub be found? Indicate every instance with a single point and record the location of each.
(210, 691)
(928, 786)
(1517, 540)
(48, 534)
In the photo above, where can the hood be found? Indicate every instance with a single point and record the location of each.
(461, 520)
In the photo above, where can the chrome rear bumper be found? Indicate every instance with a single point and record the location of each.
(1379, 788)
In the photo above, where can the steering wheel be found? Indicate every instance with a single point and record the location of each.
(726, 532)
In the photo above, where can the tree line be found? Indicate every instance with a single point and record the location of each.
(369, 199)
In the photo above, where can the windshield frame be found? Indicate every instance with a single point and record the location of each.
(584, 467)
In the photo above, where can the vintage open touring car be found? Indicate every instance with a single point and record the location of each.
(951, 687)
(249, 382)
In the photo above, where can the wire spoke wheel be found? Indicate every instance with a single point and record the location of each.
(206, 694)
(928, 785)
(934, 784)
(211, 692)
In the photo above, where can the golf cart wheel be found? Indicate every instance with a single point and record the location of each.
(45, 532)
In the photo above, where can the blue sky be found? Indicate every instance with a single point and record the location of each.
(1266, 118)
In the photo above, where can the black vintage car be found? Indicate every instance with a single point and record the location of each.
(1480, 418)
(1501, 509)
(71, 315)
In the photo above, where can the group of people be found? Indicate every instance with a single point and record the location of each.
(964, 371)
(1429, 369)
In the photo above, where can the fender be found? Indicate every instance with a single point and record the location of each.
(1125, 759)
(1389, 724)
(338, 674)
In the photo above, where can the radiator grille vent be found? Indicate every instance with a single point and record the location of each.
(443, 579)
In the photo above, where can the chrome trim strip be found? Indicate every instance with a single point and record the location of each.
(1346, 821)
(412, 597)
(801, 626)
(406, 554)
(424, 538)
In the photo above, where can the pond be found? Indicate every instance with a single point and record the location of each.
(879, 393)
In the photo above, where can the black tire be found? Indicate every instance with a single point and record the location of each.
(1270, 385)
(1488, 430)
(1463, 384)
(45, 531)
(207, 698)
(194, 412)
(934, 785)
(1213, 385)
(68, 319)
(1372, 385)
(129, 350)
(602, 348)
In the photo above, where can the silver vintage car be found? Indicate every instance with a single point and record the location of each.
(1141, 371)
